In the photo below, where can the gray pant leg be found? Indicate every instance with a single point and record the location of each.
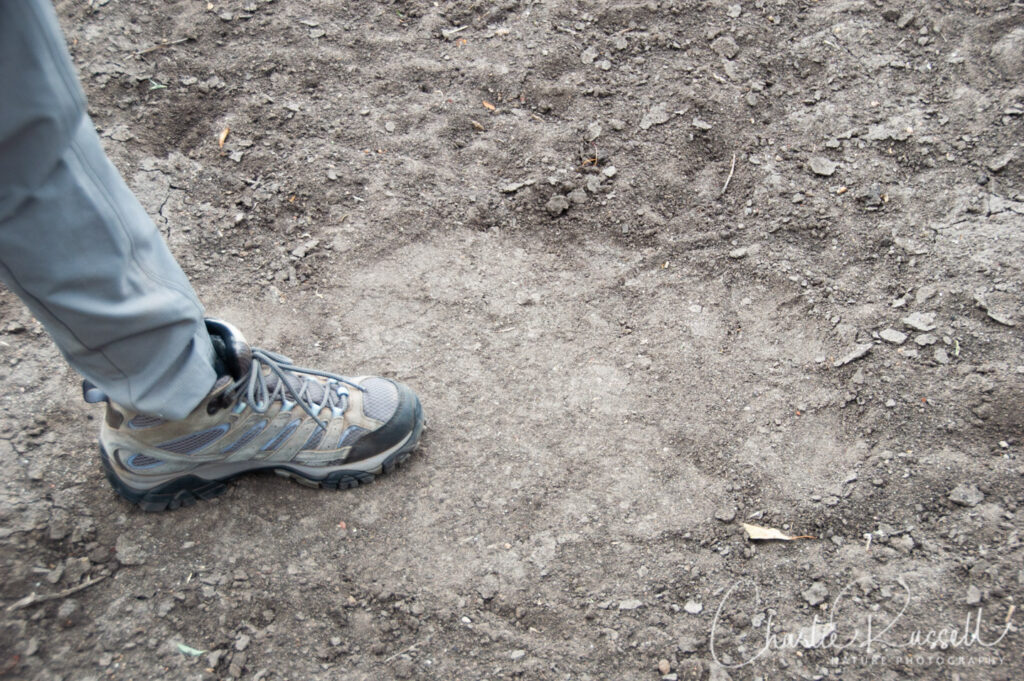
(75, 244)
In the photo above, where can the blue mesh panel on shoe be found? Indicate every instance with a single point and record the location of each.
(143, 461)
(380, 398)
(314, 440)
(144, 421)
(245, 439)
(196, 441)
(351, 434)
(282, 436)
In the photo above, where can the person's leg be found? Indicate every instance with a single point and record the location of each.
(76, 246)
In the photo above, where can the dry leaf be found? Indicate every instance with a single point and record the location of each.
(488, 105)
(223, 136)
(755, 532)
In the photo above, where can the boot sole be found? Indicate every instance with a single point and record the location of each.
(188, 489)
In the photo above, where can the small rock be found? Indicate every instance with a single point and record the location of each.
(657, 115)
(738, 253)
(688, 644)
(593, 131)
(725, 46)
(726, 515)
(693, 607)
(664, 667)
(816, 593)
(734, 12)
(999, 162)
(389, 126)
(926, 339)
(610, 172)
(701, 124)
(973, 595)
(242, 642)
(68, 614)
(924, 294)
(129, 550)
(578, 196)
(941, 356)
(630, 604)
(966, 495)
(604, 65)
(617, 124)
(858, 352)
(517, 654)
(1008, 54)
(589, 55)
(820, 165)
(893, 336)
(557, 205)
(920, 321)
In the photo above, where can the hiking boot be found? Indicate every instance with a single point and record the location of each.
(264, 413)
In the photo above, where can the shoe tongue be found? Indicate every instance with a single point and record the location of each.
(234, 356)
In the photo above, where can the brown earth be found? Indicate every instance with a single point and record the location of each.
(619, 366)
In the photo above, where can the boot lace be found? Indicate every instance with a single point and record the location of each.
(311, 395)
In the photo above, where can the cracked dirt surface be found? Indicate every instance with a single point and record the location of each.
(624, 252)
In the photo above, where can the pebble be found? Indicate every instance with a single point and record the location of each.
(578, 196)
(1008, 53)
(389, 126)
(820, 165)
(893, 336)
(798, 198)
(733, 12)
(242, 642)
(738, 253)
(664, 667)
(693, 607)
(588, 55)
(630, 604)
(617, 124)
(610, 172)
(517, 654)
(701, 124)
(926, 339)
(657, 115)
(816, 593)
(725, 46)
(593, 131)
(999, 162)
(688, 644)
(973, 595)
(966, 495)
(920, 321)
(858, 352)
(557, 205)
(129, 550)
(726, 515)
(941, 356)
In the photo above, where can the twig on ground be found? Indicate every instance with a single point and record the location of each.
(732, 169)
(409, 649)
(34, 598)
(162, 45)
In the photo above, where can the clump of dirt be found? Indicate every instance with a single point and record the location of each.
(657, 269)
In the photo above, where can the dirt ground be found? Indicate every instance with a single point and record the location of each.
(656, 268)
